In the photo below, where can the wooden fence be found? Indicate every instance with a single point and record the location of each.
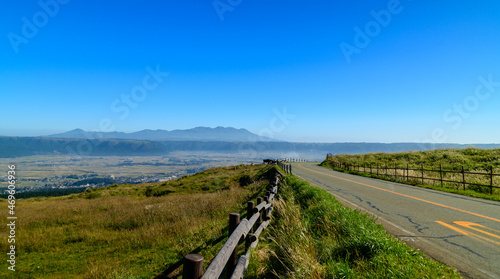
(295, 160)
(474, 179)
(227, 258)
(287, 168)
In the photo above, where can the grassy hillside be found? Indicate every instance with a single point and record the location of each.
(480, 161)
(470, 158)
(313, 236)
(129, 231)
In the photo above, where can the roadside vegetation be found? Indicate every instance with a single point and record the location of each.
(481, 162)
(130, 231)
(313, 236)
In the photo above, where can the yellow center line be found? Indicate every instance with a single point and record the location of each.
(403, 195)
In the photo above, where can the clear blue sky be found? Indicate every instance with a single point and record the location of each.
(324, 71)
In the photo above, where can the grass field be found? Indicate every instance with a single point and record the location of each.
(314, 236)
(129, 231)
(480, 162)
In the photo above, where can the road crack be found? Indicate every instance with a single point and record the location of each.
(419, 227)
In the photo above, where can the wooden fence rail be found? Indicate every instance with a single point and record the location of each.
(227, 258)
(423, 174)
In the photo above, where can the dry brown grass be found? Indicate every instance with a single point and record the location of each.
(118, 236)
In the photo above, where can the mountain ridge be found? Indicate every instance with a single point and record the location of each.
(200, 133)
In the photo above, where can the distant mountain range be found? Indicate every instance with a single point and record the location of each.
(28, 146)
(194, 134)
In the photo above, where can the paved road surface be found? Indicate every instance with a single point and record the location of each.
(460, 231)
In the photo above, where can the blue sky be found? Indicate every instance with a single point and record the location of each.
(323, 71)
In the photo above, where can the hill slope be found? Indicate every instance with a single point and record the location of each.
(130, 231)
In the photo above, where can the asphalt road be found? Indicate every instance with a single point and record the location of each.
(462, 232)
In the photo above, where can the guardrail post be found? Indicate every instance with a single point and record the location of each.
(234, 220)
(193, 267)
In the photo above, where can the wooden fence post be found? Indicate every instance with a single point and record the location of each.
(422, 174)
(407, 172)
(250, 207)
(192, 267)
(491, 180)
(264, 211)
(395, 171)
(234, 220)
(377, 169)
(259, 221)
(441, 174)
(463, 177)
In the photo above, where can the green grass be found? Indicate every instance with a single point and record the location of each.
(130, 231)
(313, 236)
(479, 161)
